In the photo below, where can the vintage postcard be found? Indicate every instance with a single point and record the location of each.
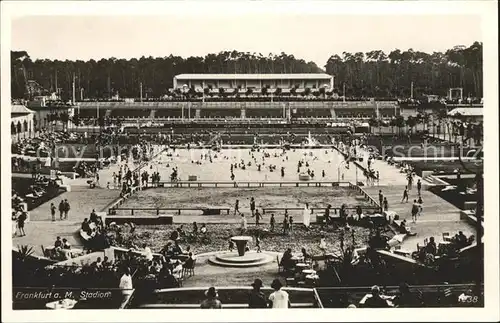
(274, 161)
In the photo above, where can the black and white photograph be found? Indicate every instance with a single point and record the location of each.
(260, 155)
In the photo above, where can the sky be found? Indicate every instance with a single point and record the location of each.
(311, 37)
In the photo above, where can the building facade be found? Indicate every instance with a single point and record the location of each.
(254, 81)
(21, 122)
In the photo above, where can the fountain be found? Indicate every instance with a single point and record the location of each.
(311, 141)
(241, 258)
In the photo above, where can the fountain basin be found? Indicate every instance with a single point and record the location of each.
(233, 259)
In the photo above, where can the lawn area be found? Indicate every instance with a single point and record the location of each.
(218, 236)
(226, 197)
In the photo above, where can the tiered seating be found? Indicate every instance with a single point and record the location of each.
(313, 113)
(220, 113)
(264, 113)
(88, 113)
(130, 113)
(169, 113)
(355, 112)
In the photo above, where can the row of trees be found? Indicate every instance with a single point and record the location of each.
(439, 122)
(371, 74)
(377, 74)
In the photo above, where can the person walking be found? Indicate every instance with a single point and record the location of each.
(237, 207)
(290, 225)
(53, 211)
(420, 205)
(20, 223)
(272, 223)
(243, 222)
(61, 210)
(380, 198)
(285, 226)
(386, 204)
(414, 211)
(405, 195)
(67, 207)
(252, 206)
(257, 242)
(258, 217)
(419, 186)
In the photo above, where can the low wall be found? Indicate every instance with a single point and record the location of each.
(140, 220)
(82, 260)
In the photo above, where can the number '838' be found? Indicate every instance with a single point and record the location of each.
(469, 299)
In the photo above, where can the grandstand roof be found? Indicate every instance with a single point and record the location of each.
(297, 76)
(467, 112)
(19, 109)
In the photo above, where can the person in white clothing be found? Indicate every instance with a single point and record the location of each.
(148, 253)
(322, 244)
(306, 216)
(244, 224)
(279, 298)
(126, 281)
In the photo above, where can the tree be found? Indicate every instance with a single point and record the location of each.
(400, 123)
(373, 73)
(411, 122)
(76, 119)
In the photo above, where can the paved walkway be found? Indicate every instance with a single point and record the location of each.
(438, 215)
(41, 231)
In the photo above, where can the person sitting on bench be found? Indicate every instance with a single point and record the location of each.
(406, 230)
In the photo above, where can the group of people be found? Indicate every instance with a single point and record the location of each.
(256, 298)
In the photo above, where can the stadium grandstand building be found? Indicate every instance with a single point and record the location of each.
(254, 81)
(300, 96)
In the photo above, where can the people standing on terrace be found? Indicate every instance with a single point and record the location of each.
(279, 298)
(211, 301)
(256, 298)
(376, 301)
(126, 281)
